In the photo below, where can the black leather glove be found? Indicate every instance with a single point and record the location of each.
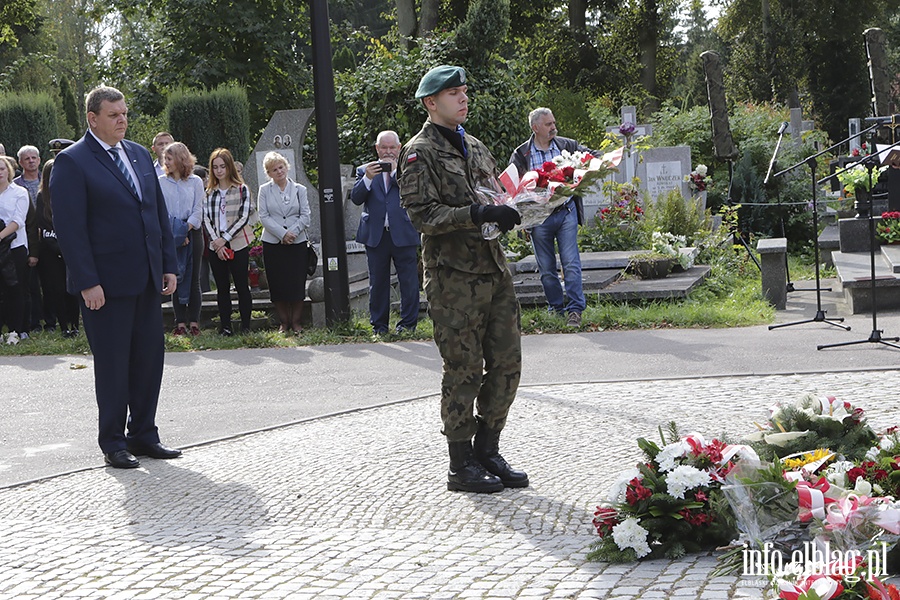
(506, 217)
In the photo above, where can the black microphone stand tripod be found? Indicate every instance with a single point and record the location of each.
(787, 268)
(820, 313)
(875, 337)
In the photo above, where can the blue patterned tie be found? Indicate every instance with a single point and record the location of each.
(114, 153)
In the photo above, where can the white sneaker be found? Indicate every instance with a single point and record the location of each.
(12, 339)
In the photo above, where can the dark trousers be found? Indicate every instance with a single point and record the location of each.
(236, 269)
(12, 297)
(52, 271)
(35, 307)
(191, 312)
(126, 338)
(406, 263)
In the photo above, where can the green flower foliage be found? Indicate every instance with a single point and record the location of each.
(849, 436)
(673, 214)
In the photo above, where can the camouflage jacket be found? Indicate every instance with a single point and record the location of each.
(437, 188)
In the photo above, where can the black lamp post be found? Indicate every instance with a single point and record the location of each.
(331, 205)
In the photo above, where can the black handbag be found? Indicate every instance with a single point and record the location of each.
(312, 260)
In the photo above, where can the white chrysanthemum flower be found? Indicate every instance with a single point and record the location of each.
(684, 478)
(617, 491)
(669, 454)
(628, 534)
(701, 170)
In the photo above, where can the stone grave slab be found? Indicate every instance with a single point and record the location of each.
(675, 285)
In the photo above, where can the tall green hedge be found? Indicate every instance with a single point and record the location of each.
(208, 119)
(27, 118)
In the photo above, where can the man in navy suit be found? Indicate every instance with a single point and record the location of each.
(388, 234)
(113, 230)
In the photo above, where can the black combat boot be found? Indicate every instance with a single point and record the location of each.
(487, 451)
(466, 474)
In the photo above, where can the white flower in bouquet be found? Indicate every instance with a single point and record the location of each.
(684, 478)
(670, 453)
(837, 473)
(628, 534)
(701, 170)
(781, 439)
(824, 406)
(862, 487)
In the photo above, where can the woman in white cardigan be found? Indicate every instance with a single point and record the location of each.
(284, 213)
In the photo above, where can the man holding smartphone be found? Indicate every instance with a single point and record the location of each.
(388, 235)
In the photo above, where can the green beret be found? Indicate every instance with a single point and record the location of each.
(440, 78)
(60, 144)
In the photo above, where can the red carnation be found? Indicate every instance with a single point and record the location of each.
(568, 172)
(548, 166)
(855, 473)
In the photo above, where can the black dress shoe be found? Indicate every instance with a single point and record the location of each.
(156, 450)
(121, 459)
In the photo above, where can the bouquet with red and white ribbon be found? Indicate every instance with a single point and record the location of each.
(536, 194)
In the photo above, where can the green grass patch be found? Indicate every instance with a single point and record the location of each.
(731, 297)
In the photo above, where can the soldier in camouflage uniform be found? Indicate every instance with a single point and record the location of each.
(467, 282)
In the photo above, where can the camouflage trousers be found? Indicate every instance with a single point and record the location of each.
(477, 330)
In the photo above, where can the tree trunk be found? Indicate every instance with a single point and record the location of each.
(647, 43)
(407, 22)
(769, 45)
(578, 15)
(428, 18)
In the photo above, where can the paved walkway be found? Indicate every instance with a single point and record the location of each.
(352, 504)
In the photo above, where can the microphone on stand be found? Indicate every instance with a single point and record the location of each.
(781, 130)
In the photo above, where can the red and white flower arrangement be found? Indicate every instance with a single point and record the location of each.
(698, 179)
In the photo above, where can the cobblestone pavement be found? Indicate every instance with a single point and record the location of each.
(354, 506)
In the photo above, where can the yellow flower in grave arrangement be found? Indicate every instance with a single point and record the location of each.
(819, 456)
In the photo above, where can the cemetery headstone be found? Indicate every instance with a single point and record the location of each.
(664, 169)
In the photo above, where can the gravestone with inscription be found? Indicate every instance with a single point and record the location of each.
(664, 169)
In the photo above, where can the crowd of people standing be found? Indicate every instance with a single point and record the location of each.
(211, 213)
(216, 223)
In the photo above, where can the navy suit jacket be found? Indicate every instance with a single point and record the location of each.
(107, 235)
(379, 201)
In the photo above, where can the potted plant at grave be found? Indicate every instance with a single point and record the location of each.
(857, 183)
(650, 265)
(888, 228)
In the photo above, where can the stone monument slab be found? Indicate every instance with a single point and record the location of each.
(664, 169)
(285, 134)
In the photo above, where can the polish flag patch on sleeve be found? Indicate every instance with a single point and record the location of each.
(411, 157)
